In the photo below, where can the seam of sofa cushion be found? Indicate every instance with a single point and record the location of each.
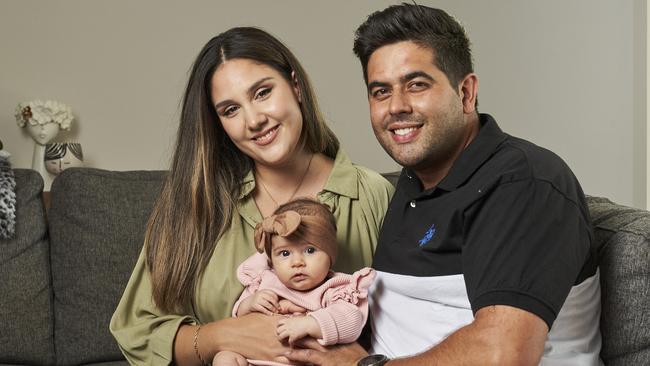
(624, 230)
(72, 173)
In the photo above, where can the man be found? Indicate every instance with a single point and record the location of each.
(486, 253)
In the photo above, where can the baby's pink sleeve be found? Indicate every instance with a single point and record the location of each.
(342, 320)
(249, 274)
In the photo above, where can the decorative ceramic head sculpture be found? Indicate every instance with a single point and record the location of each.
(43, 134)
(43, 119)
(63, 155)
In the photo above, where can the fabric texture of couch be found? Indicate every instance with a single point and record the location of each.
(623, 234)
(62, 275)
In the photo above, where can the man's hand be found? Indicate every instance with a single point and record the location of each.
(339, 355)
(263, 301)
(298, 327)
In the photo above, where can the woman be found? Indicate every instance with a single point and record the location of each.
(251, 137)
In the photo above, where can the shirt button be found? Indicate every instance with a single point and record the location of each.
(413, 203)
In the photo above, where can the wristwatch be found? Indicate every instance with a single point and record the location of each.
(373, 360)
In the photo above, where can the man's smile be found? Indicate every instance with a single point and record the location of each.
(404, 133)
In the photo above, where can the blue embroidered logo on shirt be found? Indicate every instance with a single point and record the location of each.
(428, 235)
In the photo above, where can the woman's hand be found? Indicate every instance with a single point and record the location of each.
(252, 336)
(263, 301)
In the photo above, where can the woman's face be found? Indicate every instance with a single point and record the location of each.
(259, 110)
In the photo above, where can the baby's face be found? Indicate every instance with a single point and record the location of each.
(299, 265)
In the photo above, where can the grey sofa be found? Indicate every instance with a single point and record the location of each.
(62, 276)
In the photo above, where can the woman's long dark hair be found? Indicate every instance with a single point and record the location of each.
(200, 193)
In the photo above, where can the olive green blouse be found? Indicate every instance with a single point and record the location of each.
(358, 197)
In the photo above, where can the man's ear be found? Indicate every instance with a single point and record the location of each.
(468, 91)
(296, 87)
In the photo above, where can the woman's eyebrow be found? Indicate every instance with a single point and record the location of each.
(250, 91)
(252, 88)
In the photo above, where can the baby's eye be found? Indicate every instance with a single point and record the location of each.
(310, 250)
(284, 253)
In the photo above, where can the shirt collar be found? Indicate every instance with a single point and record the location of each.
(342, 181)
(479, 150)
(248, 184)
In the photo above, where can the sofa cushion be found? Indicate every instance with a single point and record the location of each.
(26, 314)
(97, 224)
(623, 236)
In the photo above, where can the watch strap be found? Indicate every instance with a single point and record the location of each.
(373, 360)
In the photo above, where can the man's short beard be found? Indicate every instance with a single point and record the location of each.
(443, 142)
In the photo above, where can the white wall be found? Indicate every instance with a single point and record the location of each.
(566, 74)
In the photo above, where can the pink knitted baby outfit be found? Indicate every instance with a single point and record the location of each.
(339, 305)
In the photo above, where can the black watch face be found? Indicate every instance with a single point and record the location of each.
(373, 360)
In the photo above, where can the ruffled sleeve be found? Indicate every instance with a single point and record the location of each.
(346, 310)
(357, 290)
(250, 274)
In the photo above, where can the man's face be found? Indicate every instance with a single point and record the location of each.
(416, 114)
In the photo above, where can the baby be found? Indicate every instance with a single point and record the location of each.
(291, 275)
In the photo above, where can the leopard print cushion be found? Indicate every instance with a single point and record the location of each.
(7, 197)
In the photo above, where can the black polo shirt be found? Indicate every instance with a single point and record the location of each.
(509, 216)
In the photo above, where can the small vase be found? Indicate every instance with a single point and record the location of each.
(60, 156)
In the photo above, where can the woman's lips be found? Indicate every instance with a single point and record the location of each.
(267, 137)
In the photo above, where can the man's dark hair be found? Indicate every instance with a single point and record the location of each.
(425, 26)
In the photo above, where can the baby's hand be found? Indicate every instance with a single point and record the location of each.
(263, 301)
(287, 307)
(298, 327)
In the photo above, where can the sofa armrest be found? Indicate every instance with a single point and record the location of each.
(622, 235)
